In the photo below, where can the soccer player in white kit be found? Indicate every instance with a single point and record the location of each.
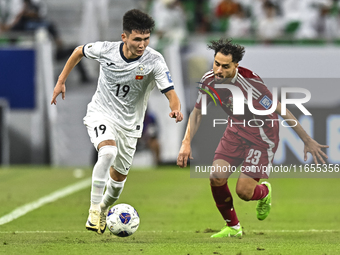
(129, 70)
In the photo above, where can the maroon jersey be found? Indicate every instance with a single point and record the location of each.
(249, 126)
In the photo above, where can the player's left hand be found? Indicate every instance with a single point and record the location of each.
(314, 148)
(59, 88)
(176, 115)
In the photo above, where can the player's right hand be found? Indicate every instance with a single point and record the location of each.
(59, 88)
(183, 155)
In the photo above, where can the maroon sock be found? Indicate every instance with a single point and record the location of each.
(260, 192)
(224, 203)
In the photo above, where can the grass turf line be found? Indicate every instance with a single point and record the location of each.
(176, 215)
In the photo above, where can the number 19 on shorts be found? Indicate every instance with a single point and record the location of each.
(100, 130)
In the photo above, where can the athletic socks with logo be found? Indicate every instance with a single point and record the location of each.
(106, 156)
(224, 203)
(260, 191)
(112, 193)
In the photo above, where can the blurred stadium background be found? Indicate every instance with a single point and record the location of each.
(288, 43)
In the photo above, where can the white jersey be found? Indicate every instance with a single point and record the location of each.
(124, 85)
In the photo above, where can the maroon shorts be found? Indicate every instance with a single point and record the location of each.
(254, 158)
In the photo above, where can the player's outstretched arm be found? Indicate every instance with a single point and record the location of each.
(60, 87)
(311, 146)
(192, 127)
(175, 105)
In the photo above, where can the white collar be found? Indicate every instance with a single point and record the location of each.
(233, 80)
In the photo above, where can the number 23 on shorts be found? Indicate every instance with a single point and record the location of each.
(253, 156)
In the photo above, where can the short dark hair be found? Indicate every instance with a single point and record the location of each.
(138, 21)
(226, 47)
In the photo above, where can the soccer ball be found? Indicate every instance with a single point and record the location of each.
(122, 220)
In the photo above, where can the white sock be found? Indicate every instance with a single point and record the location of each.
(236, 226)
(112, 193)
(106, 156)
(95, 207)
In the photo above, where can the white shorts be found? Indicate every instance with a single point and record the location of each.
(101, 128)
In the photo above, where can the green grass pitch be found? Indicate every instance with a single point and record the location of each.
(177, 216)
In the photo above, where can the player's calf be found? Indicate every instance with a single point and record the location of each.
(244, 194)
(245, 188)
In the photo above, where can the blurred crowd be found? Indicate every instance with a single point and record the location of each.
(17, 16)
(261, 19)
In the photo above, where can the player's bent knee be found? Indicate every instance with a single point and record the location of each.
(116, 176)
(108, 154)
(217, 181)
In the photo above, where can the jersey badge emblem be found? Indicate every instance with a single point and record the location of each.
(266, 102)
(169, 76)
(140, 70)
(139, 77)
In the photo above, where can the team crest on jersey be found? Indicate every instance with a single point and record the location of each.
(140, 70)
(266, 102)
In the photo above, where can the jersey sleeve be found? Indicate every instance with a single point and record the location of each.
(162, 76)
(93, 50)
(262, 97)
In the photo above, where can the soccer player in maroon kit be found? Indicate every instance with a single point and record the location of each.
(252, 145)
